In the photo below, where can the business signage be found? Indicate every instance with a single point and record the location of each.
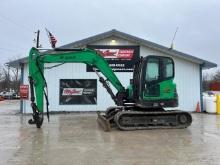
(119, 58)
(116, 53)
(78, 91)
(24, 92)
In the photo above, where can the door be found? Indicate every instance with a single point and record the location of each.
(158, 78)
(152, 76)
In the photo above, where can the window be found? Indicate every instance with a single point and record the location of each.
(168, 68)
(152, 70)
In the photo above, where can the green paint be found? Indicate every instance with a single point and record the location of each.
(130, 91)
(86, 56)
(166, 91)
(38, 79)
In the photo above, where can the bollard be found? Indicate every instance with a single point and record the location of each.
(218, 104)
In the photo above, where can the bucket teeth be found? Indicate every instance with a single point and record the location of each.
(103, 123)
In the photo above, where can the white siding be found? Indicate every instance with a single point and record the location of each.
(74, 71)
(187, 78)
(107, 41)
(78, 71)
(26, 103)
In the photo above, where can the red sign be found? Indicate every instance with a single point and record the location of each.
(24, 91)
(120, 58)
(77, 91)
(72, 91)
(116, 53)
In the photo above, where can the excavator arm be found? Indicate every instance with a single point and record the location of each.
(38, 82)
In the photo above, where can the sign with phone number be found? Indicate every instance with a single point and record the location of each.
(119, 58)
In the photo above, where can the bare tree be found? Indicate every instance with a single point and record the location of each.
(1, 73)
(9, 77)
(216, 77)
(5, 82)
(206, 80)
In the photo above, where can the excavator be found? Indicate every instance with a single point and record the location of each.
(139, 106)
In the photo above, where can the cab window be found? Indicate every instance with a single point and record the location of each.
(168, 71)
(152, 70)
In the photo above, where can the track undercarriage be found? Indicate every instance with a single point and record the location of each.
(129, 118)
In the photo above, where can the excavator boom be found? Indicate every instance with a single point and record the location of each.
(87, 56)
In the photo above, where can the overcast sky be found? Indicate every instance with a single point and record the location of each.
(71, 20)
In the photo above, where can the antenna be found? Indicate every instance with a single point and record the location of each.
(171, 46)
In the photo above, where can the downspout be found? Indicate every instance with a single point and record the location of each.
(21, 82)
(201, 87)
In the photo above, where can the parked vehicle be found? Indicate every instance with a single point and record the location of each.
(7, 95)
(16, 96)
(1, 98)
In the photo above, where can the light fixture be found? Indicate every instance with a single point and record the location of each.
(113, 42)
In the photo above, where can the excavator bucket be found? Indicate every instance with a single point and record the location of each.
(103, 122)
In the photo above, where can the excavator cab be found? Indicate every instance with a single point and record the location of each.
(153, 84)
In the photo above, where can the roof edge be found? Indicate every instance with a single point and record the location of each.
(83, 42)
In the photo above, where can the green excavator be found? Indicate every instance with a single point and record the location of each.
(139, 106)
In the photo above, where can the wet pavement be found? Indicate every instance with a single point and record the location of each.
(77, 139)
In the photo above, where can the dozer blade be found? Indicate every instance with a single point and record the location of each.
(103, 122)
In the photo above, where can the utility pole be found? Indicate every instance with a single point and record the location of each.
(37, 41)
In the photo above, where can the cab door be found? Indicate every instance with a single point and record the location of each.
(158, 78)
(152, 77)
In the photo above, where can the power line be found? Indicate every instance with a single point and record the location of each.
(24, 29)
(15, 23)
(7, 44)
(8, 50)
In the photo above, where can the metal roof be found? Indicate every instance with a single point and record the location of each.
(136, 40)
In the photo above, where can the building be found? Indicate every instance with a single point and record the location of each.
(188, 73)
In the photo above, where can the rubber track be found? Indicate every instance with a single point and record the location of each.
(156, 113)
